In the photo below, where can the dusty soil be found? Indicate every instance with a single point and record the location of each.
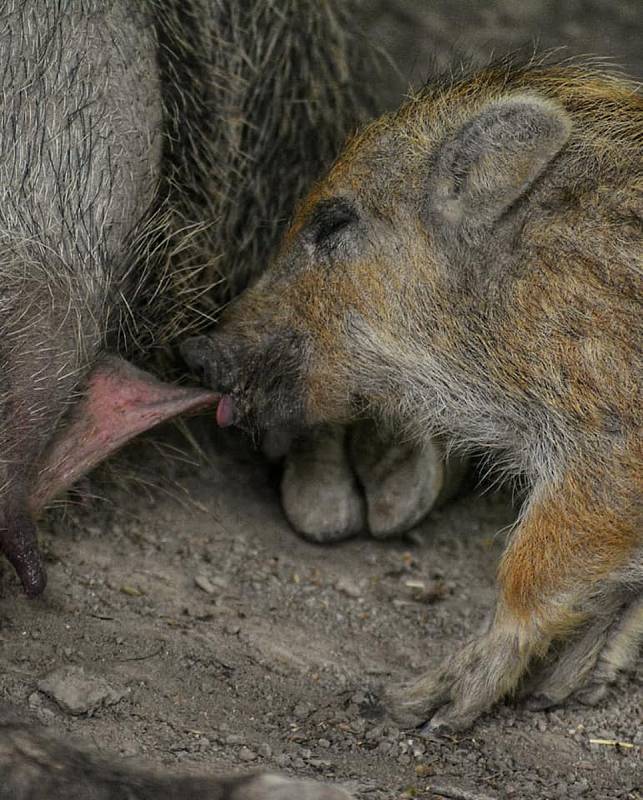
(239, 645)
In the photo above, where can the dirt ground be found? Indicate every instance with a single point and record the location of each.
(229, 643)
(238, 645)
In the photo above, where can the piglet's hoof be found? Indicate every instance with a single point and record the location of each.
(401, 481)
(319, 493)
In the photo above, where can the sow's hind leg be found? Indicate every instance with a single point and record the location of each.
(34, 765)
(80, 152)
(38, 379)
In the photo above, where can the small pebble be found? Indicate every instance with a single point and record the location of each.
(245, 754)
(204, 584)
(302, 710)
(374, 733)
(385, 748)
(348, 587)
(78, 692)
(319, 763)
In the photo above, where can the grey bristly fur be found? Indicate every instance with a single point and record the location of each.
(258, 98)
(80, 127)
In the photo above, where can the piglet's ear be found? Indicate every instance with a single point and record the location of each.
(491, 161)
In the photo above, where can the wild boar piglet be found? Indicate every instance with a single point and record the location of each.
(470, 266)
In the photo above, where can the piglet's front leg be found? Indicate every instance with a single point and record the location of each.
(573, 554)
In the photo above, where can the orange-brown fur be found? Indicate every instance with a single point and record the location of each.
(577, 532)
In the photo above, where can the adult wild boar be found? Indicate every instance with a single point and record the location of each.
(139, 145)
(148, 152)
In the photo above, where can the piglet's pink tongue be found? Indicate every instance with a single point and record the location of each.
(119, 402)
(225, 411)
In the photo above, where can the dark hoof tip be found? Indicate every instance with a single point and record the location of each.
(34, 580)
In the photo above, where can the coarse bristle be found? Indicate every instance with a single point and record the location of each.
(258, 99)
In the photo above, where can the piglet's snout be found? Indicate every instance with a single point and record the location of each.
(261, 379)
(215, 361)
(212, 362)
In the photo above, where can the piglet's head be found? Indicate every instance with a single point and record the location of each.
(302, 345)
(415, 218)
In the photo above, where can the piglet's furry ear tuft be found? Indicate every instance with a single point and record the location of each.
(491, 161)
